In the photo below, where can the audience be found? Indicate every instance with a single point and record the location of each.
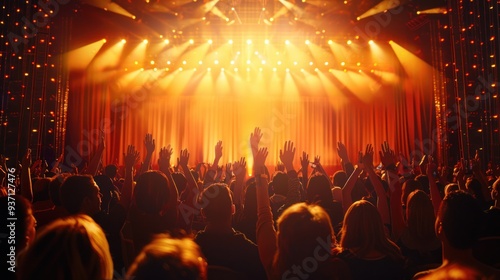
(396, 223)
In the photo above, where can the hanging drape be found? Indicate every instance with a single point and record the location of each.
(194, 109)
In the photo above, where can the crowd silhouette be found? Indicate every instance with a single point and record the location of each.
(401, 221)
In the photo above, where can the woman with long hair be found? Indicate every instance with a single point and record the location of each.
(70, 248)
(365, 247)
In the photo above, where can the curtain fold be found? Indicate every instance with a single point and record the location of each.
(194, 110)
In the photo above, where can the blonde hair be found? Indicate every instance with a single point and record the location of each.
(299, 228)
(363, 232)
(169, 258)
(70, 248)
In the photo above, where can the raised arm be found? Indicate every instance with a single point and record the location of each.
(304, 162)
(131, 157)
(96, 159)
(344, 158)
(255, 139)
(433, 188)
(56, 164)
(382, 203)
(164, 163)
(239, 168)
(287, 155)
(191, 182)
(26, 186)
(266, 234)
(479, 175)
(389, 160)
(212, 170)
(149, 143)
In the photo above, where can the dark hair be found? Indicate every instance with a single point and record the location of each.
(339, 178)
(41, 189)
(151, 192)
(423, 182)
(318, 190)
(73, 191)
(461, 218)
(180, 181)
(280, 183)
(110, 170)
(217, 202)
(55, 186)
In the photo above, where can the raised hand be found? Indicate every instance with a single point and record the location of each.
(367, 158)
(476, 162)
(342, 151)
(304, 162)
(183, 158)
(239, 167)
(229, 173)
(149, 143)
(218, 150)
(255, 139)
(259, 161)
(387, 155)
(131, 157)
(287, 155)
(164, 157)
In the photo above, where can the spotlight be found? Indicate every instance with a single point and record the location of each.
(266, 42)
(123, 41)
(230, 42)
(371, 42)
(287, 42)
(166, 41)
(145, 41)
(249, 42)
(191, 41)
(349, 42)
(210, 41)
(330, 42)
(307, 42)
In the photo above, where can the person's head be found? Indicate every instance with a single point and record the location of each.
(54, 188)
(217, 204)
(70, 248)
(153, 194)
(339, 178)
(408, 187)
(250, 209)
(80, 195)
(280, 183)
(318, 190)
(451, 187)
(25, 222)
(420, 216)
(168, 258)
(423, 183)
(474, 187)
(459, 220)
(111, 170)
(363, 231)
(302, 230)
(180, 181)
(41, 189)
